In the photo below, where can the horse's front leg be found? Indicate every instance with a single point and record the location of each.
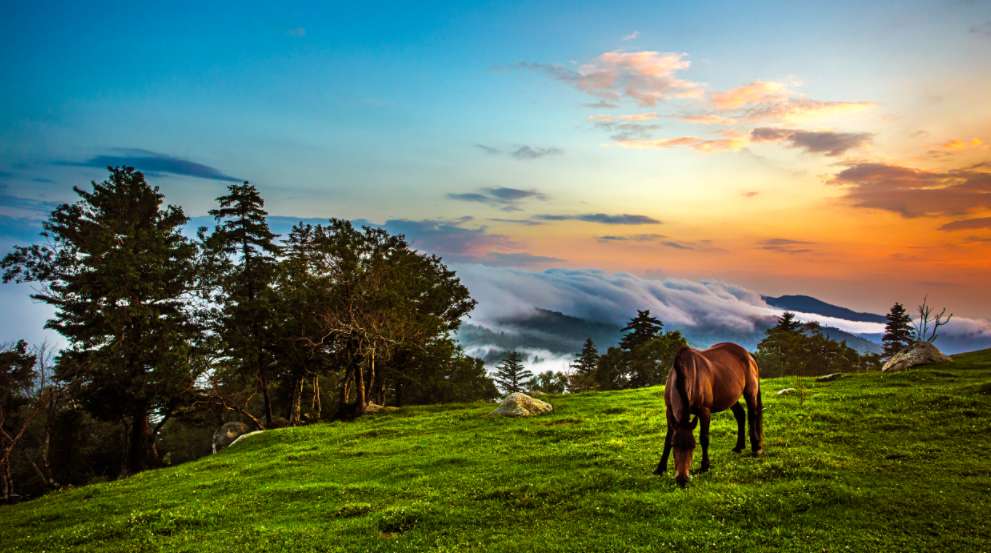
(662, 467)
(705, 416)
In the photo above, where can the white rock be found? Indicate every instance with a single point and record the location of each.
(919, 353)
(521, 405)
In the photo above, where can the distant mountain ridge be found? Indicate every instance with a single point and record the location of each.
(808, 304)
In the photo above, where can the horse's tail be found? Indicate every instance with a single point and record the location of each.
(759, 402)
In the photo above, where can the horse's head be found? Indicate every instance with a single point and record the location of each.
(684, 445)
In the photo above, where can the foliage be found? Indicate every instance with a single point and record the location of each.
(582, 377)
(120, 274)
(643, 357)
(898, 333)
(549, 382)
(838, 470)
(511, 376)
(238, 264)
(802, 350)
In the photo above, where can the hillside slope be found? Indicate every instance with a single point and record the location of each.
(869, 462)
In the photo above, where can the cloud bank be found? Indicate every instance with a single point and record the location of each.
(153, 163)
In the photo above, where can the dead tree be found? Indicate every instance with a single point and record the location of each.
(927, 327)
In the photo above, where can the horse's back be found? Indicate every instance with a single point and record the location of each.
(732, 372)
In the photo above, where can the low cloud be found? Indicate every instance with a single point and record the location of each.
(786, 245)
(773, 100)
(817, 142)
(603, 218)
(503, 197)
(153, 163)
(916, 192)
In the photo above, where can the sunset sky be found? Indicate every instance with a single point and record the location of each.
(837, 149)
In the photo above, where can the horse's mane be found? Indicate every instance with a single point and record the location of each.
(684, 356)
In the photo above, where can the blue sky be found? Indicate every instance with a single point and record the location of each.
(399, 112)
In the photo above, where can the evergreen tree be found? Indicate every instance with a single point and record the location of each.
(120, 275)
(511, 376)
(640, 329)
(241, 258)
(898, 332)
(584, 366)
(787, 322)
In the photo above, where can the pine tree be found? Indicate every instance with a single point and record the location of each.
(640, 330)
(898, 332)
(584, 365)
(120, 275)
(787, 323)
(241, 254)
(511, 376)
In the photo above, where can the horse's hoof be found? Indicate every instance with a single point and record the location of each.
(682, 482)
(758, 452)
(737, 450)
(658, 472)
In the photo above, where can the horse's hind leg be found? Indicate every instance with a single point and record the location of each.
(741, 427)
(662, 467)
(755, 422)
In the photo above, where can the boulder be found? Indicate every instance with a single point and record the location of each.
(227, 433)
(829, 377)
(787, 391)
(521, 405)
(919, 353)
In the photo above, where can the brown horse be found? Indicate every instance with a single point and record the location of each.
(702, 383)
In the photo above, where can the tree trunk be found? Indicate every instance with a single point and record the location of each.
(137, 448)
(5, 477)
(315, 404)
(296, 403)
(263, 384)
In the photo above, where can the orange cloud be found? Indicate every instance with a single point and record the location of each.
(750, 93)
(731, 143)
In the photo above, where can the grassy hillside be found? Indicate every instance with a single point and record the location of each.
(885, 463)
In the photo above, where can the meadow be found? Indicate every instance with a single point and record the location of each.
(869, 462)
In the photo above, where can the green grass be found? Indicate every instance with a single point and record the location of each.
(866, 463)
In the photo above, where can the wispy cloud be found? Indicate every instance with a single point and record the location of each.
(503, 197)
(982, 29)
(523, 152)
(786, 245)
(517, 259)
(628, 126)
(646, 77)
(632, 238)
(916, 192)
(730, 141)
(297, 32)
(776, 101)
(632, 36)
(968, 224)
(153, 163)
(603, 218)
(817, 142)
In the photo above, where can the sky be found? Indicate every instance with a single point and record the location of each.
(841, 149)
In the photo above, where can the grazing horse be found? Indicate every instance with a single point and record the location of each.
(702, 383)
